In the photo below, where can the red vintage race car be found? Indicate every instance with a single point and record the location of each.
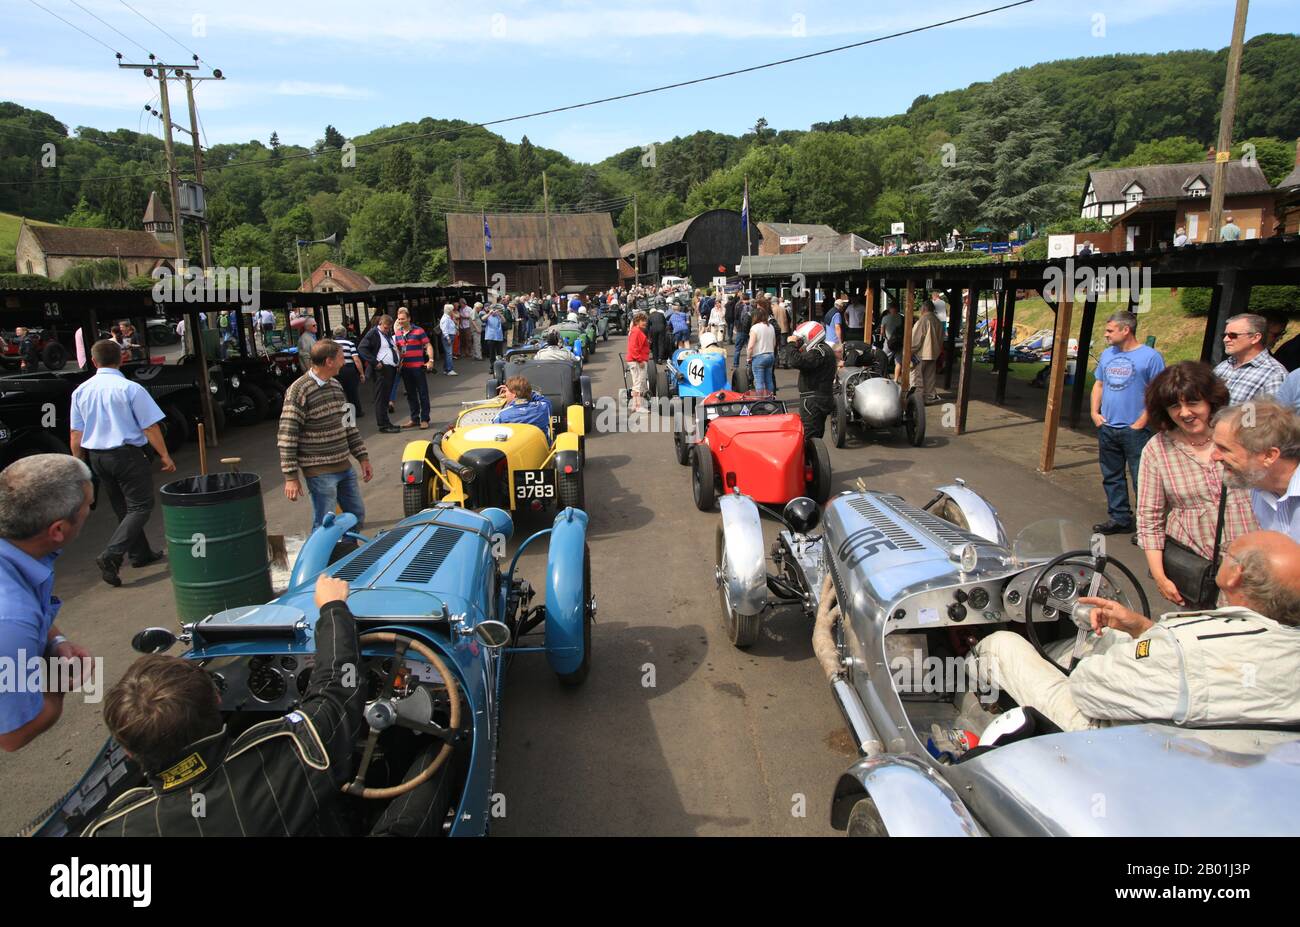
(750, 443)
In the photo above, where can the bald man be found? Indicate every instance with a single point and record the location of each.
(1235, 665)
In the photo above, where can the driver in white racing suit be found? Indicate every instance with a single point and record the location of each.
(1231, 666)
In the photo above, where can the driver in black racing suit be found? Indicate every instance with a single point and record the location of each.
(816, 362)
(281, 777)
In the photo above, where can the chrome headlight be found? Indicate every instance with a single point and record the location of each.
(212, 387)
(234, 382)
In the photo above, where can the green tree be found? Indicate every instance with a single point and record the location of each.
(1177, 150)
(244, 246)
(94, 275)
(333, 138)
(381, 232)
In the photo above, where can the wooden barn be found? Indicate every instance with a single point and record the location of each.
(699, 248)
(580, 249)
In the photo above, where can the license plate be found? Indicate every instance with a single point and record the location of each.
(534, 484)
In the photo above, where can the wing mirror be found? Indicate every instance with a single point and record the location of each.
(153, 640)
(492, 634)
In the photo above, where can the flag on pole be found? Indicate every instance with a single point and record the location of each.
(487, 237)
(744, 208)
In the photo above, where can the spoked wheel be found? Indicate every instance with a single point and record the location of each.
(840, 422)
(914, 419)
(681, 448)
(384, 713)
(742, 630)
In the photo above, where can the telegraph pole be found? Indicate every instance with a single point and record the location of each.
(173, 177)
(1226, 117)
(205, 240)
(636, 248)
(546, 206)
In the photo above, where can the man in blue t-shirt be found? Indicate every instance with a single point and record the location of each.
(1119, 412)
(524, 405)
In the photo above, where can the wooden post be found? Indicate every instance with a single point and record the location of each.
(967, 356)
(954, 321)
(1084, 362)
(1006, 330)
(1056, 382)
(1212, 328)
(869, 316)
(1231, 298)
(909, 310)
(546, 205)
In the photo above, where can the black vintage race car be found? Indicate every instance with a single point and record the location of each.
(560, 381)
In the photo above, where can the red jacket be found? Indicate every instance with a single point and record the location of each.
(638, 346)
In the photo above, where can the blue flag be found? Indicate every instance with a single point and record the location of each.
(744, 209)
(487, 236)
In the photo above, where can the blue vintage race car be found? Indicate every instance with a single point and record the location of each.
(691, 373)
(436, 589)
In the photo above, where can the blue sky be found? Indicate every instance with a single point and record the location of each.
(357, 64)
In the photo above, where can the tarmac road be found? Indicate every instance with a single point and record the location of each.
(675, 731)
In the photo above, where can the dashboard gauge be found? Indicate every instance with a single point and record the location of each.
(1013, 597)
(1063, 586)
(264, 680)
(289, 663)
(979, 598)
(1049, 612)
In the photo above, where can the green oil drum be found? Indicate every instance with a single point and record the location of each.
(216, 543)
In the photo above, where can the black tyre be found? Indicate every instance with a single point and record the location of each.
(175, 428)
(742, 630)
(840, 422)
(415, 498)
(681, 448)
(703, 485)
(658, 381)
(579, 676)
(218, 416)
(251, 405)
(162, 335)
(819, 487)
(274, 398)
(572, 491)
(865, 820)
(54, 356)
(914, 421)
(740, 379)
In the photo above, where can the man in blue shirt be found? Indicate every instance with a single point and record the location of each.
(113, 418)
(44, 502)
(525, 406)
(1289, 394)
(1119, 412)
(1259, 445)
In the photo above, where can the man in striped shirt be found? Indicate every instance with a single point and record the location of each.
(417, 357)
(317, 434)
(353, 374)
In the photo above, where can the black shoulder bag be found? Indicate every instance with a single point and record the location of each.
(1192, 573)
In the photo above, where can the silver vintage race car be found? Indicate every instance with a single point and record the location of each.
(898, 594)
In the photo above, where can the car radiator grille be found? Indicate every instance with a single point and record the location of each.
(366, 559)
(431, 556)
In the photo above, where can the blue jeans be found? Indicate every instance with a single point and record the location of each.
(447, 344)
(332, 489)
(764, 378)
(740, 346)
(1118, 447)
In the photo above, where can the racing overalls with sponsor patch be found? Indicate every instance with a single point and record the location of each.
(279, 778)
(816, 368)
(1228, 666)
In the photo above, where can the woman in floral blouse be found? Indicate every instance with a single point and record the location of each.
(1178, 482)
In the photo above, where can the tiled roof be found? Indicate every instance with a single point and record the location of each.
(98, 243)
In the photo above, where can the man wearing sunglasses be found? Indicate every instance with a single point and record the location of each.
(1249, 371)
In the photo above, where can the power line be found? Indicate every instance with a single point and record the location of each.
(110, 25)
(75, 26)
(561, 109)
(161, 29)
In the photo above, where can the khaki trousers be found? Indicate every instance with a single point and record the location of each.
(1010, 663)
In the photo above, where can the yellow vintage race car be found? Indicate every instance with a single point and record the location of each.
(479, 463)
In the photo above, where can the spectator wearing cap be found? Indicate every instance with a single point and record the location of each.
(1250, 371)
(112, 421)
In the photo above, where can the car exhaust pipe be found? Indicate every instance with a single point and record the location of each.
(823, 641)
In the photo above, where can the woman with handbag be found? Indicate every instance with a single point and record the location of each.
(1186, 515)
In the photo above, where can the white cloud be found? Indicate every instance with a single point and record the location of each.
(302, 88)
(44, 84)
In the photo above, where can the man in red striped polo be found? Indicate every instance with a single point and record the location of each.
(417, 357)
